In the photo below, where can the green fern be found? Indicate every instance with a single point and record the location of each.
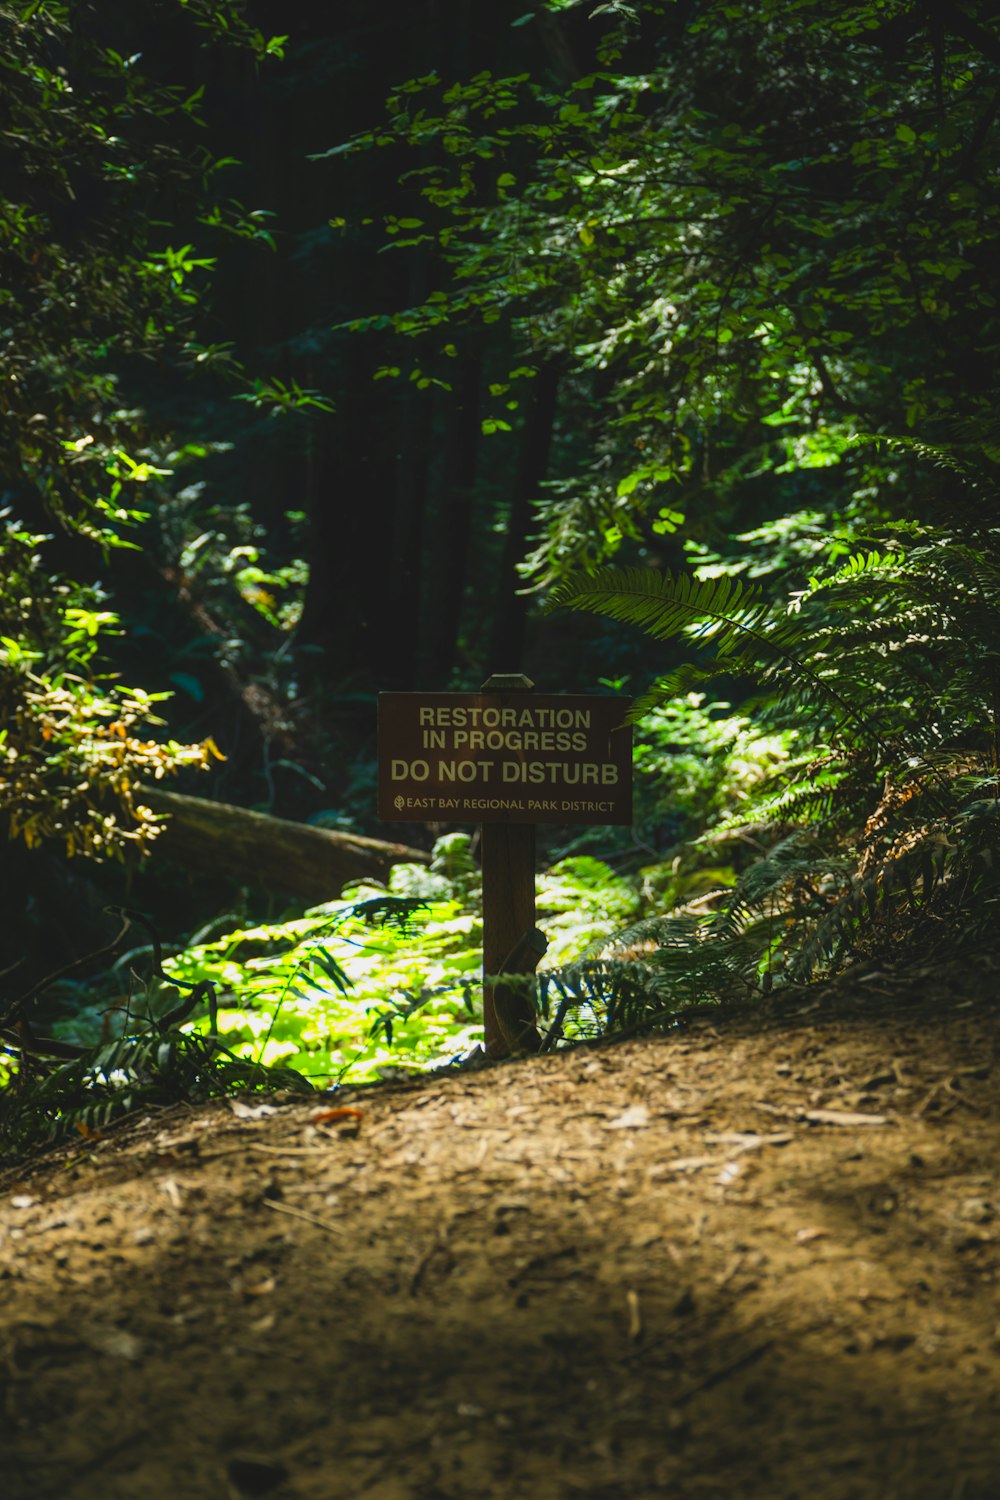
(106, 1083)
(888, 666)
(808, 790)
(748, 635)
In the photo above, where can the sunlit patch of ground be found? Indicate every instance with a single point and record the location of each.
(734, 1262)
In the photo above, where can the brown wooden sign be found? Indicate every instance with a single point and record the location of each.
(503, 758)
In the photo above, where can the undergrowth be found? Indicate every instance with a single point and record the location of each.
(882, 824)
(354, 990)
(852, 809)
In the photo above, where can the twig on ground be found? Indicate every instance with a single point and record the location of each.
(298, 1213)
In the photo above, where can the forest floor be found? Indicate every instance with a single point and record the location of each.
(757, 1257)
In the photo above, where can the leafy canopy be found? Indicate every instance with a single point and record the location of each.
(96, 153)
(750, 228)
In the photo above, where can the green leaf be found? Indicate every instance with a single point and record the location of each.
(667, 521)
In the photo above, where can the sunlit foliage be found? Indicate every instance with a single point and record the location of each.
(92, 290)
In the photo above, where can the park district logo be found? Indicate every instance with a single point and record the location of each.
(497, 757)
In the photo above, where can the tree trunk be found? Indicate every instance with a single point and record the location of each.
(214, 838)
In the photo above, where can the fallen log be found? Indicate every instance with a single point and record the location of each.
(216, 838)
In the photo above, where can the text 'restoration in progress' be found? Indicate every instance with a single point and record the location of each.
(519, 758)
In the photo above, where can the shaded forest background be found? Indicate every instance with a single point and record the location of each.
(332, 358)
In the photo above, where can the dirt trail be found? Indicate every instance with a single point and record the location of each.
(730, 1262)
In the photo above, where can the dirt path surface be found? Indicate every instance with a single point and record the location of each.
(729, 1262)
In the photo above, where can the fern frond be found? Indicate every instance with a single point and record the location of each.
(646, 973)
(727, 613)
(800, 856)
(664, 605)
(858, 569)
(936, 455)
(811, 799)
(688, 678)
(134, 1071)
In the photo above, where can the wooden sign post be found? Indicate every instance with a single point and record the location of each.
(508, 859)
(507, 759)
